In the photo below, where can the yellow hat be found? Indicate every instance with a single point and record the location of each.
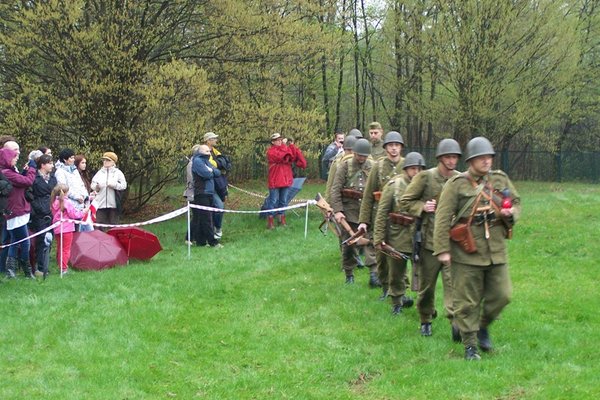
(109, 155)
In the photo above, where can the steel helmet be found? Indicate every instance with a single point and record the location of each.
(349, 142)
(362, 147)
(355, 132)
(393, 137)
(414, 159)
(448, 146)
(479, 146)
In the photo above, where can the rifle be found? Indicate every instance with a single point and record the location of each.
(417, 242)
(329, 219)
(392, 252)
(357, 238)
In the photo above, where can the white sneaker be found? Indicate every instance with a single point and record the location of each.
(218, 234)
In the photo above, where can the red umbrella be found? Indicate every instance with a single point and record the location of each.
(96, 250)
(137, 242)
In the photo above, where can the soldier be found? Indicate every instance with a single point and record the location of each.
(382, 171)
(376, 134)
(346, 194)
(396, 229)
(349, 142)
(480, 206)
(420, 200)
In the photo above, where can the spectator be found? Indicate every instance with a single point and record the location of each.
(188, 193)
(204, 188)
(19, 209)
(281, 157)
(83, 185)
(223, 163)
(106, 183)
(336, 147)
(41, 215)
(64, 209)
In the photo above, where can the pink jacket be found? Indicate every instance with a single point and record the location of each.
(70, 212)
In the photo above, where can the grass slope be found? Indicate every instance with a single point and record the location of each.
(268, 316)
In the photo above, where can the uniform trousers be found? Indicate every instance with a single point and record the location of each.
(429, 268)
(397, 278)
(480, 294)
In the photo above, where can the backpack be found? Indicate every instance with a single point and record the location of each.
(5, 189)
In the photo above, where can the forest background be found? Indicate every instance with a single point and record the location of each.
(146, 78)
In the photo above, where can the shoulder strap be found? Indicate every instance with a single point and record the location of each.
(472, 202)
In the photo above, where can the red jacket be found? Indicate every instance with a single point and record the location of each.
(280, 160)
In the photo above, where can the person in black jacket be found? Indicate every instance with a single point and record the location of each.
(41, 216)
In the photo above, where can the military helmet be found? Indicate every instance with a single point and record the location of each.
(448, 146)
(414, 159)
(479, 146)
(362, 147)
(355, 132)
(393, 137)
(349, 142)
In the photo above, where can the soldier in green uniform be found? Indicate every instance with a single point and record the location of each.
(420, 200)
(382, 171)
(376, 135)
(346, 194)
(482, 203)
(396, 229)
(349, 142)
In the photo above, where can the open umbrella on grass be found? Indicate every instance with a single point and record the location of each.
(137, 242)
(96, 250)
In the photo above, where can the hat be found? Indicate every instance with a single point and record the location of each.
(209, 135)
(375, 125)
(275, 136)
(109, 155)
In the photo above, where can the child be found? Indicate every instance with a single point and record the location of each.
(61, 205)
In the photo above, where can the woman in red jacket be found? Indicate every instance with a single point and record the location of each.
(281, 157)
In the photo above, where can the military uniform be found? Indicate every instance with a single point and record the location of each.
(482, 286)
(377, 151)
(381, 172)
(399, 236)
(351, 175)
(427, 185)
(332, 169)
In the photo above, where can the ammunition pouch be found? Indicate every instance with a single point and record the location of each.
(401, 219)
(462, 235)
(352, 194)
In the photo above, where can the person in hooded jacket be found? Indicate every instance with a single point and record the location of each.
(204, 189)
(19, 211)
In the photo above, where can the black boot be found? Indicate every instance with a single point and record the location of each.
(373, 281)
(383, 295)
(11, 267)
(407, 301)
(456, 338)
(483, 337)
(471, 353)
(426, 329)
(26, 269)
(349, 279)
(397, 309)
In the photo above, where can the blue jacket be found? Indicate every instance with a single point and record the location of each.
(204, 175)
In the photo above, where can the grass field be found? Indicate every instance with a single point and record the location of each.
(269, 317)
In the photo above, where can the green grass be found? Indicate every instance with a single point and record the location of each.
(268, 316)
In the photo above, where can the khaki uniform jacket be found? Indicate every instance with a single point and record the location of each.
(377, 150)
(382, 171)
(349, 174)
(397, 236)
(427, 185)
(334, 164)
(455, 195)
